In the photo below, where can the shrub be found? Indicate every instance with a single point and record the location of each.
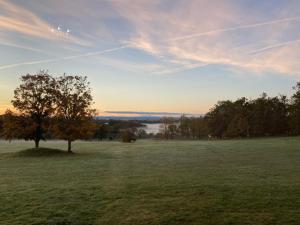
(128, 135)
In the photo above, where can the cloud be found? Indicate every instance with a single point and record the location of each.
(15, 18)
(141, 114)
(11, 44)
(284, 20)
(62, 58)
(181, 35)
(144, 113)
(185, 67)
(203, 32)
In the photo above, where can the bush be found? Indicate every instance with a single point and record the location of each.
(128, 136)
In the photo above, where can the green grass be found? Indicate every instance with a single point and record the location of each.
(152, 182)
(42, 152)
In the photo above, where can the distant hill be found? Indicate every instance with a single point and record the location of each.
(145, 118)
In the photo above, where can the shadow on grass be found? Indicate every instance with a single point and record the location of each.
(66, 223)
(43, 152)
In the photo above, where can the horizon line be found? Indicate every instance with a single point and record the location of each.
(150, 113)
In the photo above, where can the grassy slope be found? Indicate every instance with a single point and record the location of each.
(148, 182)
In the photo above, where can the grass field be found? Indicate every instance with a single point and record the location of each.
(152, 182)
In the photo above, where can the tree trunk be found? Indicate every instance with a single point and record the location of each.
(37, 143)
(69, 146)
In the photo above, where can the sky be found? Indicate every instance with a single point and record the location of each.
(175, 56)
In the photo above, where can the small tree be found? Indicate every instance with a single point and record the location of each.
(17, 126)
(1, 125)
(34, 100)
(74, 115)
(128, 135)
(141, 133)
(168, 128)
(101, 132)
(294, 111)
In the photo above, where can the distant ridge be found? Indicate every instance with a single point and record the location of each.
(130, 115)
(145, 113)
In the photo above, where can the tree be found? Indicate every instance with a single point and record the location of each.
(101, 132)
(141, 133)
(17, 126)
(168, 128)
(239, 123)
(294, 111)
(193, 127)
(1, 125)
(219, 118)
(185, 126)
(128, 135)
(34, 101)
(74, 115)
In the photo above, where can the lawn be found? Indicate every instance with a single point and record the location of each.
(152, 182)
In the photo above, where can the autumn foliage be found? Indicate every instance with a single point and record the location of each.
(33, 99)
(73, 109)
(43, 104)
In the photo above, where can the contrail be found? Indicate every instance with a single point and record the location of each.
(235, 28)
(262, 50)
(182, 68)
(62, 58)
(22, 47)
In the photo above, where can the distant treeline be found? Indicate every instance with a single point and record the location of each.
(261, 117)
(47, 107)
(113, 129)
(102, 129)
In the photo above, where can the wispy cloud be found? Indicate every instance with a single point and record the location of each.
(210, 32)
(62, 58)
(14, 45)
(254, 25)
(15, 18)
(185, 67)
(183, 35)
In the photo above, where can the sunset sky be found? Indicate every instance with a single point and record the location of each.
(154, 55)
